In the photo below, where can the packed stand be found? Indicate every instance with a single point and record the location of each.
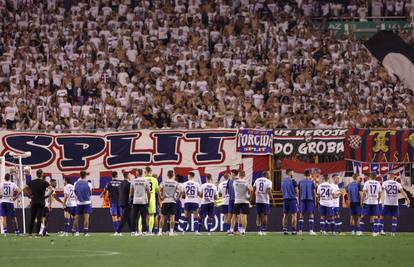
(123, 65)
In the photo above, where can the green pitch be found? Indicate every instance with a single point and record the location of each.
(212, 251)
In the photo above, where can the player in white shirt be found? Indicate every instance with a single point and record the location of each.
(51, 195)
(224, 194)
(140, 195)
(262, 188)
(9, 192)
(242, 195)
(69, 204)
(179, 203)
(191, 192)
(371, 194)
(391, 207)
(208, 196)
(335, 200)
(380, 206)
(169, 192)
(325, 194)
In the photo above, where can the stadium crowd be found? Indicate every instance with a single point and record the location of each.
(122, 65)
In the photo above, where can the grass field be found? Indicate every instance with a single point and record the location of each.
(216, 250)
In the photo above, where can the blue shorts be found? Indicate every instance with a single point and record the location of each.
(209, 210)
(191, 207)
(83, 209)
(355, 209)
(307, 205)
(371, 210)
(326, 211)
(178, 211)
(231, 206)
(224, 209)
(263, 208)
(336, 211)
(71, 210)
(290, 206)
(7, 209)
(115, 209)
(393, 211)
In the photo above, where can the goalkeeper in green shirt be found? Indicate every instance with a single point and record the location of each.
(152, 204)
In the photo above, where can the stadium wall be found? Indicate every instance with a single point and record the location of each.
(101, 221)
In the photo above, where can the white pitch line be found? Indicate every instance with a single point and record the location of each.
(94, 253)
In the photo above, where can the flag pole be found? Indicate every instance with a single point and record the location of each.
(22, 195)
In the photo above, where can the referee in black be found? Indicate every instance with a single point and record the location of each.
(125, 203)
(38, 188)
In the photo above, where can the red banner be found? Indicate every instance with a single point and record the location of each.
(380, 146)
(321, 168)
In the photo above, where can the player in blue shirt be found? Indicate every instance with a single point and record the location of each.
(354, 192)
(230, 191)
(337, 203)
(307, 201)
(290, 202)
(112, 188)
(83, 191)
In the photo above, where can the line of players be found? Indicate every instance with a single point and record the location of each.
(364, 200)
(139, 196)
(76, 202)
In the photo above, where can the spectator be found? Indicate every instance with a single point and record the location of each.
(376, 7)
(116, 65)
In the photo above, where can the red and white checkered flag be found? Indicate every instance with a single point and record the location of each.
(354, 141)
